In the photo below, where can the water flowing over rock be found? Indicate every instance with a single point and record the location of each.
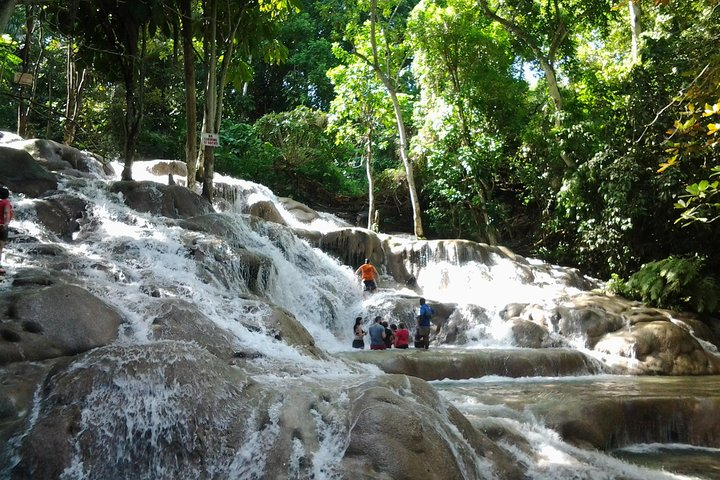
(147, 334)
(61, 214)
(157, 409)
(172, 201)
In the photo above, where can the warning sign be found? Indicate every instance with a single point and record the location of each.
(210, 139)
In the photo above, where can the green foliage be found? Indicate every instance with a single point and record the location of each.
(290, 153)
(8, 60)
(677, 283)
(243, 154)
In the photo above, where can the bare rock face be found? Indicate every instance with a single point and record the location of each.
(300, 211)
(61, 214)
(266, 210)
(43, 322)
(352, 246)
(172, 201)
(56, 157)
(22, 174)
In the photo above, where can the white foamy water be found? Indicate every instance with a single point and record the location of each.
(129, 258)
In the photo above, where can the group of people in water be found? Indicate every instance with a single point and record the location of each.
(382, 335)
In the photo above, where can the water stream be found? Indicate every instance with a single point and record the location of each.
(125, 253)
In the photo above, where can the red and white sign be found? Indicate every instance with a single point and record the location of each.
(210, 139)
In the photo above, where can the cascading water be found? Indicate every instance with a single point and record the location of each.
(133, 260)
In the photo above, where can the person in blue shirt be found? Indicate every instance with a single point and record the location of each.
(377, 335)
(424, 322)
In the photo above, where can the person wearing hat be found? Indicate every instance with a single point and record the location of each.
(369, 276)
(6, 214)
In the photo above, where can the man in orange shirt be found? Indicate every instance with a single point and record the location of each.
(369, 276)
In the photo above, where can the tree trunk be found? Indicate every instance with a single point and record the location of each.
(371, 187)
(73, 103)
(134, 92)
(190, 95)
(24, 103)
(7, 7)
(210, 97)
(402, 133)
(635, 28)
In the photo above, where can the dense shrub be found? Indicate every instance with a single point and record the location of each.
(675, 282)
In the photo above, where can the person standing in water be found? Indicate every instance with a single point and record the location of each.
(424, 321)
(377, 335)
(369, 276)
(402, 336)
(6, 214)
(358, 334)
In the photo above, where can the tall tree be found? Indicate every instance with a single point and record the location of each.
(470, 102)
(115, 32)
(27, 91)
(544, 29)
(359, 115)
(247, 26)
(186, 20)
(380, 42)
(75, 77)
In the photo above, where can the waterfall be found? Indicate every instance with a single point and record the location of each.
(234, 399)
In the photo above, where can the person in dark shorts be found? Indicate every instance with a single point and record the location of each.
(424, 322)
(358, 334)
(369, 275)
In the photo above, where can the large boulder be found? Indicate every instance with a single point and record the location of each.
(300, 211)
(61, 213)
(266, 210)
(22, 174)
(168, 167)
(351, 245)
(56, 157)
(657, 347)
(43, 322)
(176, 319)
(172, 201)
